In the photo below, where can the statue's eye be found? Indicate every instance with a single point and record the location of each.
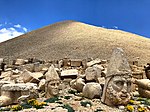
(119, 83)
(52, 84)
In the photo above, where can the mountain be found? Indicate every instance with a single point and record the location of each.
(75, 40)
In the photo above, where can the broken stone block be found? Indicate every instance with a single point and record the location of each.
(92, 90)
(117, 86)
(93, 62)
(11, 92)
(35, 77)
(71, 73)
(19, 62)
(92, 73)
(27, 76)
(76, 62)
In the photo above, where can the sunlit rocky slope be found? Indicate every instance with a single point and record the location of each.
(75, 40)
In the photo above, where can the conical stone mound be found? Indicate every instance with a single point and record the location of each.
(75, 40)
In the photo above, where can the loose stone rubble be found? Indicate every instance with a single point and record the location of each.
(75, 85)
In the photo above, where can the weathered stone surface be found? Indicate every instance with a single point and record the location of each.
(117, 86)
(92, 73)
(93, 62)
(92, 90)
(16, 87)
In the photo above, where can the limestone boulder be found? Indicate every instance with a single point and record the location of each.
(92, 90)
(78, 84)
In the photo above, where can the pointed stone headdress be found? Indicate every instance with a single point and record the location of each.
(52, 74)
(118, 64)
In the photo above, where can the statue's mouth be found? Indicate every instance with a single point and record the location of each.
(55, 91)
(123, 96)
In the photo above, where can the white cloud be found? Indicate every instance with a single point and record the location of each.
(116, 27)
(17, 26)
(8, 33)
(24, 29)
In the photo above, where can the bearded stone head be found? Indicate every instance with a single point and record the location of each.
(118, 90)
(117, 81)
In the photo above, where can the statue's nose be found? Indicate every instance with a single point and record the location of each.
(124, 89)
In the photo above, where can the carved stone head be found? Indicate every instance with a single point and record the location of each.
(118, 80)
(52, 82)
(52, 88)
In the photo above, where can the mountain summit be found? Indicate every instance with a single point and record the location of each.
(75, 40)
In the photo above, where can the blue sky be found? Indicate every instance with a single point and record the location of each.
(20, 16)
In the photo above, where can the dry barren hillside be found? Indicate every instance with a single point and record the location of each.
(75, 40)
